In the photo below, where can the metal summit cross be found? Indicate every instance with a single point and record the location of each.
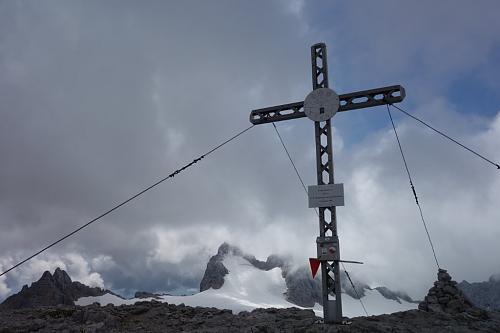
(320, 106)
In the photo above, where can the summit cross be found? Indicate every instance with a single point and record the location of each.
(320, 106)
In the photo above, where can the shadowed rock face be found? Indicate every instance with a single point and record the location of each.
(302, 289)
(215, 271)
(485, 295)
(50, 290)
(305, 291)
(394, 295)
(145, 294)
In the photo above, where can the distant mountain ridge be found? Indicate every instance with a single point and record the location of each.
(485, 295)
(51, 289)
(162, 314)
(302, 289)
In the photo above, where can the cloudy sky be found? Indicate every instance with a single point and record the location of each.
(99, 99)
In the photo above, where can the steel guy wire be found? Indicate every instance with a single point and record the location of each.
(290, 158)
(413, 187)
(305, 190)
(172, 175)
(355, 291)
(447, 136)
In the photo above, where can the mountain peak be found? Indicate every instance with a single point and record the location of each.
(50, 289)
(62, 278)
(215, 271)
(226, 248)
(46, 276)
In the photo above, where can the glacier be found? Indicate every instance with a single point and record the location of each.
(247, 288)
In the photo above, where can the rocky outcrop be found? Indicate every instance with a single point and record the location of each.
(145, 294)
(305, 291)
(485, 295)
(395, 295)
(161, 317)
(271, 262)
(444, 296)
(215, 271)
(51, 289)
(302, 289)
(360, 290)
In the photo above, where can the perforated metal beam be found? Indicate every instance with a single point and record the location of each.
(277, 113)
(351, 101)
(330, 271)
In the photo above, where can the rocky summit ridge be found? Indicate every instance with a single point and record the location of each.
(51, 289)
(485, 295)
(302, 289)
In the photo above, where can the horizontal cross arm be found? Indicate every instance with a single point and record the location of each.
(277, 113)
(372, 97)
(350, 101)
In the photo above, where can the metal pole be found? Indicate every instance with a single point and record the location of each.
(332, 309)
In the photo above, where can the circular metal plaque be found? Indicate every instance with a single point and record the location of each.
(321, 104)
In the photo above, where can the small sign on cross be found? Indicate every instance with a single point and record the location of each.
(328, 195)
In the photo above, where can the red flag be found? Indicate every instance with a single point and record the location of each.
(314, 263)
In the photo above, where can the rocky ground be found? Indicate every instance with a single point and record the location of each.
(48, 306)
(444, 309)
(161, 317)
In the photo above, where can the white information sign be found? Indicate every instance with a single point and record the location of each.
(326, 195)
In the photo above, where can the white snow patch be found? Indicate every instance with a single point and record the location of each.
(108, 299)
(375, 304)
(246, 288)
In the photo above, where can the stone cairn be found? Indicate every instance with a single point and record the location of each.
(444, 296)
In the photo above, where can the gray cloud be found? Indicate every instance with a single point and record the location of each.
(101, 99)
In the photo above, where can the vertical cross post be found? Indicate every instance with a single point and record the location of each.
(320, 106)
(332, 309)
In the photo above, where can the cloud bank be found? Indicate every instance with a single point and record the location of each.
(99, 100)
